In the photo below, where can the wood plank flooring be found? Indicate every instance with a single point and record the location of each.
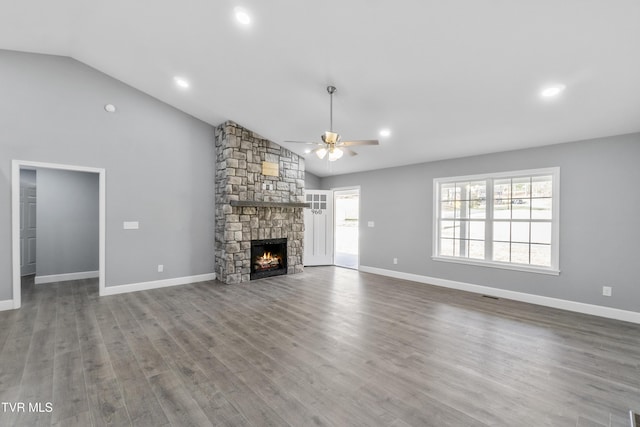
(329, 347)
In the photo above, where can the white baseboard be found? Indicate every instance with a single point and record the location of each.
(39, 280)
(6, 305)
(579, 307)
(144, 286)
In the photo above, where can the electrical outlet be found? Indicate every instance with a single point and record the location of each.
(160, 268)
(606, 291)
(395, 260)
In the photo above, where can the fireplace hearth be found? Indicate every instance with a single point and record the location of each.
(268, 258)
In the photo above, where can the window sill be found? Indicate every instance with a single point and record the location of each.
(500, 265)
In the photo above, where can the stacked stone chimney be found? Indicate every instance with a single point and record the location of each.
(240, 177)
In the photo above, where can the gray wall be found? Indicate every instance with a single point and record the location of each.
(158, 160)
(599, 233)
(67, 222)
(311, 181)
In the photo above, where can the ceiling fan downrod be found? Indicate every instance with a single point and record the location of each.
(331, 90)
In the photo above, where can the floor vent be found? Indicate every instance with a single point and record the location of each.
(492, 297)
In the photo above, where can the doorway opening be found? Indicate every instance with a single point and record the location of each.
(346, 227)
(28, 205)
(17, 167)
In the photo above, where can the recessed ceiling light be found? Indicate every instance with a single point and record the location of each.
(551, 91)
(242, 16)
(385, 132)
(181, 82)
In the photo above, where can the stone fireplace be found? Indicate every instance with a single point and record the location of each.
(259, 197)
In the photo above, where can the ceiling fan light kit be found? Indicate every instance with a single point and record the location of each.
(335, 154)
(331, 141)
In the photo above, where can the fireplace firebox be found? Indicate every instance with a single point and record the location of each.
(268, 258)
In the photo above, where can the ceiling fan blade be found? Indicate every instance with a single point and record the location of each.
(305, 142)
(359, 142)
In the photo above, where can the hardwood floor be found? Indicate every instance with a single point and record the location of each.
(330, 346)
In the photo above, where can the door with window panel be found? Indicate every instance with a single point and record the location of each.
(318, 228)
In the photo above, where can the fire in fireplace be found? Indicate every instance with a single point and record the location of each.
(268, 258)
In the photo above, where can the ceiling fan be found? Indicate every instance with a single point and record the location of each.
(331, 143)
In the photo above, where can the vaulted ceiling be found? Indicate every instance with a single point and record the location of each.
(448, 78)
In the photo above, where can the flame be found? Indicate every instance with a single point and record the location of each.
(267, 261)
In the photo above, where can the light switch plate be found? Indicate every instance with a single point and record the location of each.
(371, 224)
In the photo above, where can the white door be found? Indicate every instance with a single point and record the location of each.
(318, 228)
(27, 230)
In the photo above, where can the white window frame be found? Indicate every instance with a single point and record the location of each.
(553, 269)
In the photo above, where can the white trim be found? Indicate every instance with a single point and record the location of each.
(16, 165)
(578, 307)
(15, 232)
(555, 217)
(39, 280)
(349, 187)
(26, 164)
(510, 174)
(144, 286)
(6, 305)
(102, 231)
